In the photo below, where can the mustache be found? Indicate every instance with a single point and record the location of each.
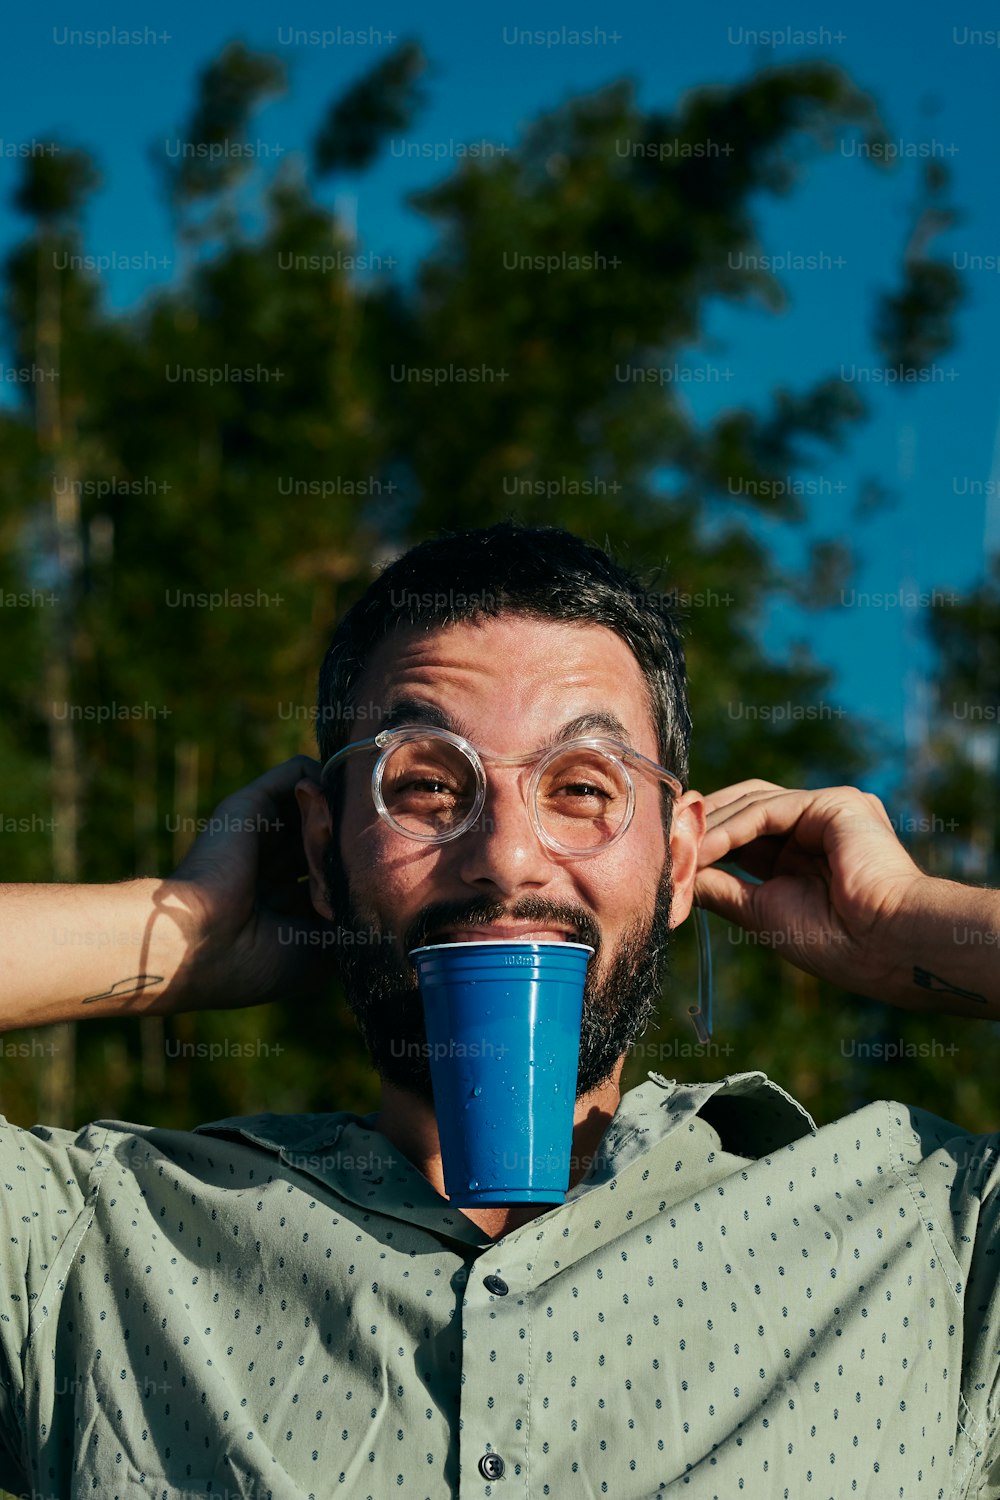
(484, 913)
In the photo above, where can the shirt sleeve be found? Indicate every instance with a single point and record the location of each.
(982, 1308)
(955, 1177)
(47, 1194)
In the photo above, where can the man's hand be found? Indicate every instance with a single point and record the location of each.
(840, 897)
(232, 926)
(256, 936)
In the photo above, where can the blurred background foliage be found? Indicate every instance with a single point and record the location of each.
(123, 484)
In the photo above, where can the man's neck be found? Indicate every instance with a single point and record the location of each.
(410, 1124)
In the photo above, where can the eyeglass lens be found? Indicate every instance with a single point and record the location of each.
(429, 788)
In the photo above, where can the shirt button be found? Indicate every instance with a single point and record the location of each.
(496, 1284)
(491, 1466)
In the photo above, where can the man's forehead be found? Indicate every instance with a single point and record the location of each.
(406, 708)
(565, 672)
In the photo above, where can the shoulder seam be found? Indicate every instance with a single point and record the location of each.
(75, 1233)
(904, 1176)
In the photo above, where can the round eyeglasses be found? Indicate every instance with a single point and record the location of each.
(430, 784)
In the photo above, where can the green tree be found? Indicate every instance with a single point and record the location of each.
(324, 457)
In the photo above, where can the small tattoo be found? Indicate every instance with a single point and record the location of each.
(928, 981)
(123, 987)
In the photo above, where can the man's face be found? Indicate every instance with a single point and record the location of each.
(508, 686)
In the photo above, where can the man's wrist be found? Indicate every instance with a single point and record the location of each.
(946, 938)
(180, 948)
(78, 952)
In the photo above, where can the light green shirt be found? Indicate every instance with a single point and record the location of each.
(730, 1303)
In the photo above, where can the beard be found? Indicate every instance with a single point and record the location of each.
(382, 992)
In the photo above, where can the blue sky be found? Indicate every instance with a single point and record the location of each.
(936, 80)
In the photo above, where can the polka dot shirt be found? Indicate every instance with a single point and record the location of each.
(731, 1302)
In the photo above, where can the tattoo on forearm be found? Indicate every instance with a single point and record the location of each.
(123, 987)
(928, 981)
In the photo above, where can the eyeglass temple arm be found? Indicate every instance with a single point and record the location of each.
(346, 750)
(643, 762)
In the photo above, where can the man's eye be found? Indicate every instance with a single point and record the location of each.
(429, 785)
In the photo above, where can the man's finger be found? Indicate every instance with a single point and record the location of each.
(771, 815)
(726, 796)
(263, 808)
(726, 896)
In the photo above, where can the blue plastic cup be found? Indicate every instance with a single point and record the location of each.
(503, 1038)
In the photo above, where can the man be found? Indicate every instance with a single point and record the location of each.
(729, 1302)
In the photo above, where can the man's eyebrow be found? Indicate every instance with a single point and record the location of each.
(419, 711)
(599, 722)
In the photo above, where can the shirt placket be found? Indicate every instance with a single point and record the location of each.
(494, 1432)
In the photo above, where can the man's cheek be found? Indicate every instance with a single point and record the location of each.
(356, 890)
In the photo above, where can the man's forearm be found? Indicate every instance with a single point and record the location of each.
(948, 951)
(70, 952)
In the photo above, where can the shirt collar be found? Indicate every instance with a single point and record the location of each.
(751, 1115)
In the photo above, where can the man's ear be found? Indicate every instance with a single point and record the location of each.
(317, 831)
(687, 829)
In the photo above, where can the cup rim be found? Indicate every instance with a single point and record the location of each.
(501, 943)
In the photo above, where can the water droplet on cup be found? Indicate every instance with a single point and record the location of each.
(474, 1182)
(477, 1091)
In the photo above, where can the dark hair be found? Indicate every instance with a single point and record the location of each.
(484, 572)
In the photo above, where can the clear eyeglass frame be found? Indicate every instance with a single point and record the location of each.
(621, 755)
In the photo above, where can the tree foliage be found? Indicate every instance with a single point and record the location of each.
(288, 484)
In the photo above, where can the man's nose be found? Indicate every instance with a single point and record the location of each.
(502, 848)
